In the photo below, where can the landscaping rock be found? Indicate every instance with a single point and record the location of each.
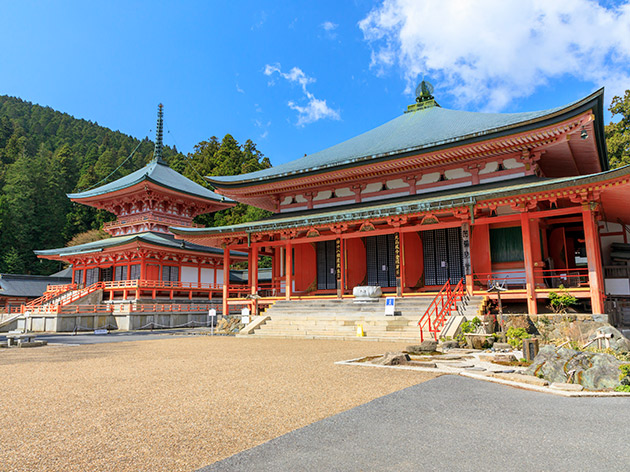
(527, 379)
(502, 347)
(567, 387)
(425, 346)
(392, 358)
(430, 365)
(594, 371)
(498, 357)
(618, 342)
(447, 345)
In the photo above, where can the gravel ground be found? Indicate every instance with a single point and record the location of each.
(174, 404)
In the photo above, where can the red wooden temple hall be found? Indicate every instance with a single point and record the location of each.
(436, 196)
(142, 259)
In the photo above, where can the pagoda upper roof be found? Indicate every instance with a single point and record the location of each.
(155, 239)
(416, 132)
(158, 172)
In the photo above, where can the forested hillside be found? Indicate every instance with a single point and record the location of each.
(45, 154)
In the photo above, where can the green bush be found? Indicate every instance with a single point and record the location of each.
(468, 327)
(515, 337)
(561, 300)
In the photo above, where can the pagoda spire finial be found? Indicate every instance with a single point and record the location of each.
(157, 152)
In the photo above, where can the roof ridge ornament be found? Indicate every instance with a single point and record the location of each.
(157, 151)
(424, 97)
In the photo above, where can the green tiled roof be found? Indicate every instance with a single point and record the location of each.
(159, 173)
(158, 239)
(33, 286)
(410, 132)
(432, 202)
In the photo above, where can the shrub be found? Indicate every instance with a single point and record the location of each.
(515, 337)
(561, 300)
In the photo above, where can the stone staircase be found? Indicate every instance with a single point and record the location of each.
(339, 319)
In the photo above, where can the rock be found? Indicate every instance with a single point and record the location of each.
(392, 358)
(425, 346)
(447, 345)
(594, 371)
(498, 357)
(502, 347)
(567, 387)
(479, 341)
(430, 365)
(527, 379)
(367, 292)
(618, 342)
(457, 365)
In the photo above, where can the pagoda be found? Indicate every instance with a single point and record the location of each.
(443, 203)
(142, 261)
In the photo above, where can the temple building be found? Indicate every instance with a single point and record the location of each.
(142, 262)
(439, 198)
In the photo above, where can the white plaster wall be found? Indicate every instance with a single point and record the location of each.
(429, 178)
(456, 174)
(325, 195)
(286, 201)
(490, 167)
(300, 199)
(502, 177)
(384, 197)
(344, 192)
(189, 274)
(397, 183)
(373, 187)
(290, 209)
(512, 164)
(207, 276)
(219, 276)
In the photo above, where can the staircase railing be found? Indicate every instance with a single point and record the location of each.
(440, 308)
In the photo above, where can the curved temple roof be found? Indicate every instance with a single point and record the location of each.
(159, 172)
(413, 131)
(157, 239)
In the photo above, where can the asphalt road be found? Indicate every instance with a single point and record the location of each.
(455, 424)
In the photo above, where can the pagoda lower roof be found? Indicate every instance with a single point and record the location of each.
(417, 132)
(20, 285)
(425, 203)
(159, 173)
(151, 238)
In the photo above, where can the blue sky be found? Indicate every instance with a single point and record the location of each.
(299, 76)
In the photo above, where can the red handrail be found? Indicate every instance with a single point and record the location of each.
(441, 306)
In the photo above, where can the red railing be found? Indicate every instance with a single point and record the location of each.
(549, 278)
(158, 284)
(440, 308)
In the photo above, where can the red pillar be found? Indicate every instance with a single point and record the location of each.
(288, 271)
(341, 281)
(529, 264)
(254, 269)
(226, 279)
(593, 255)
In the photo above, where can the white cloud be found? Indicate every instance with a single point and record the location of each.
(239, 89)
(315, 109)
(329, 26)
(491, 52)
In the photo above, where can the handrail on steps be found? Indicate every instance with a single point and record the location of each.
(441, 306)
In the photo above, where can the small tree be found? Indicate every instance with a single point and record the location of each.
(561, 300)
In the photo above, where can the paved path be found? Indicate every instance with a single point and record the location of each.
(456, 424)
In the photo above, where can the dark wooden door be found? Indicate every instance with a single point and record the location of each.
(381, 260)
(326, 258)
(442, 251)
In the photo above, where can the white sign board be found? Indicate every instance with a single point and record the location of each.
(245, 315)
(390, 306)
